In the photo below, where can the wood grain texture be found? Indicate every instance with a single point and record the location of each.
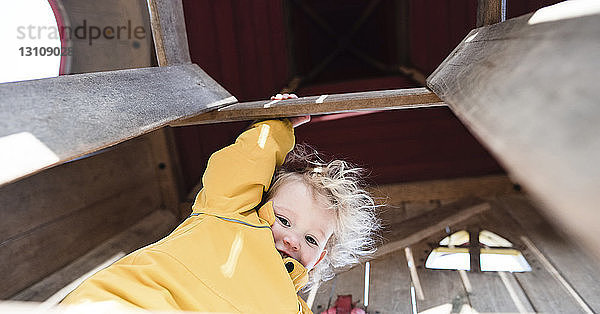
(390, 285)
(544, 293)
(503, 81)
(389, 290)
(348, 282)
(575, 264)
(54, 217)
(512, 216)
(378, 100)
(441, 287)
(56, 193)
(537, 291)
(444, 190)
(168, 30)
(168, 168)
(489, 294)
(490, 12)
(171, 46)
(521, 299)
(35, 255)
(78, 114)
(151, 228)
(416, 229)
(443, 290)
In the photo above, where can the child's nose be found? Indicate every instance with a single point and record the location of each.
(292, 242)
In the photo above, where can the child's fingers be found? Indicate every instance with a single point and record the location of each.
(284, 96)
(289, 96)
(297, 121)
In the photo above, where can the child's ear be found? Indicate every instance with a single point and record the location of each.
(321, 257)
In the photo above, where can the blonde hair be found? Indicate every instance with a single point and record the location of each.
(341, 184)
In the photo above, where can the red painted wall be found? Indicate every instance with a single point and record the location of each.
(242, 44)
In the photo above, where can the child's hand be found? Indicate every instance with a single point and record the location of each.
(297, 121)
(284, 96)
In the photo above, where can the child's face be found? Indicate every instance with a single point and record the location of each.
(303, 224)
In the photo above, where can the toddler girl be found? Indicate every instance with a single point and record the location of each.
(242, 251)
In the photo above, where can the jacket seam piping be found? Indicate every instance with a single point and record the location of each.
(231, 220)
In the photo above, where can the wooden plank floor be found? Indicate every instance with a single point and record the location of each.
(389, 286)
(444, 290)
(441, 288)
(491, 292)
(575, 264)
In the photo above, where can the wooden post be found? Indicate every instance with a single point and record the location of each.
(168, 31)
(490, 12)
(171, 45)
(474, 249)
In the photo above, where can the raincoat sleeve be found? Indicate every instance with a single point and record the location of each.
(237, 175)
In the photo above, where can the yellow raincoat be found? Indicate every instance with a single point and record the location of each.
(223, 257)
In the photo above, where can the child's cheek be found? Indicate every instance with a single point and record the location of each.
(275, 232)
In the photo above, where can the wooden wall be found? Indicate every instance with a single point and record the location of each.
(50, 219)
(56, 216)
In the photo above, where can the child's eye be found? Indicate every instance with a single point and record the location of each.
(283, 221)
(311, 240)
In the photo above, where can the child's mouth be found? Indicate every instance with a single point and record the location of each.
(283, 254)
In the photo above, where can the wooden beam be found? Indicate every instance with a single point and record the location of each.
(528, 89)
(168, 30)
(474, 248)
(444, 189)
(377, 100)
(49, 121)
(412, 231)
(490, 12)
